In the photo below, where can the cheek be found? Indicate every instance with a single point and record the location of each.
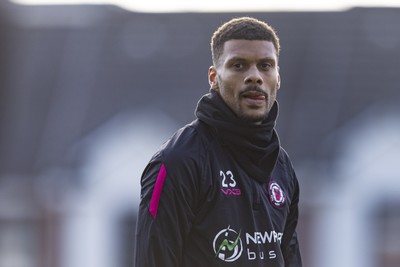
(228, 96)
(272, 80)
(226, 88)
(229, 86)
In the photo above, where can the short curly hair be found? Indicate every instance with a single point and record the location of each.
(243, 28)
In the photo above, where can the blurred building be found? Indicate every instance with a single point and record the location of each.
(88, 93)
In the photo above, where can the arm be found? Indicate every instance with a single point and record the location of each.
(164, 216)
(290, 244)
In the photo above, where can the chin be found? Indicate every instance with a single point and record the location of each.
(253, 118)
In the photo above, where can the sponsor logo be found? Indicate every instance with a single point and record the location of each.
(228, 245)
(276, 194)
(228, 184)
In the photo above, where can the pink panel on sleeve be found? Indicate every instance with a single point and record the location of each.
(155, 198)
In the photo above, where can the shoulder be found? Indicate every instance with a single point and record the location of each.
(188, 141)
(284, 168)
(284, 158)
(186, 147)
(286, 177)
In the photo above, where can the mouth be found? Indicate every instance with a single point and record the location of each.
(255, 96)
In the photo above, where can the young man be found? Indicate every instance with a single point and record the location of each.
(222, 191)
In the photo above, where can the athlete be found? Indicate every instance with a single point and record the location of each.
(222, 191)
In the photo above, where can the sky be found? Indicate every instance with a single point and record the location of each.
(224, 5)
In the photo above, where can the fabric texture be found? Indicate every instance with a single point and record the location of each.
(219, 192)
(255, 146)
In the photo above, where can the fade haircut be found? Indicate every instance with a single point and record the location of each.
(243, 28)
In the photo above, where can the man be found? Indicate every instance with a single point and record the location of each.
(221, 191)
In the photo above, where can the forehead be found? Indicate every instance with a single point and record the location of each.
(248, 49)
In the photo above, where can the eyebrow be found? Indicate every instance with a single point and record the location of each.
(237, 58)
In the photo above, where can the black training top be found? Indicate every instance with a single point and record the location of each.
(220, 192)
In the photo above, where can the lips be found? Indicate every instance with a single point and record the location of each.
(254, 95)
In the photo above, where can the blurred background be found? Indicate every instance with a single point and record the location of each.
(89, 91)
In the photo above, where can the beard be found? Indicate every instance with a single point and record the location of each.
(246, 111)
(252, 114)
(252, 118)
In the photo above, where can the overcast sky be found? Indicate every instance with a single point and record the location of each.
(225, 5)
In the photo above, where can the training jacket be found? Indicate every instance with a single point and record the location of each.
(204, 204)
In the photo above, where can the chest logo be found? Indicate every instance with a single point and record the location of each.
(228, 184)
(276, 194)
(227, 245)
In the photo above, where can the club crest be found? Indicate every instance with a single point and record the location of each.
(276, 194)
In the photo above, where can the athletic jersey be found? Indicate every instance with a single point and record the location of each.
(201, 206)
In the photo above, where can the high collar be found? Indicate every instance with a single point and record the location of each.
(254, 146)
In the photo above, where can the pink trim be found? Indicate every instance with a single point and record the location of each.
(155, 198)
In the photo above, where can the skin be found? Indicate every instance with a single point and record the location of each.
(247, 78)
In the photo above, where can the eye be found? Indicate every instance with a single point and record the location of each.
(237, 66)
(266, 65)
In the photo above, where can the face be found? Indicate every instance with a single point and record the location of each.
(247, 78)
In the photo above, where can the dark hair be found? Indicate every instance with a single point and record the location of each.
(244, 28)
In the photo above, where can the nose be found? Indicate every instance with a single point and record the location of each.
(253, 76)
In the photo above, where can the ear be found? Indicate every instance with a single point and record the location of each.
(278, 84)
(213, 78)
